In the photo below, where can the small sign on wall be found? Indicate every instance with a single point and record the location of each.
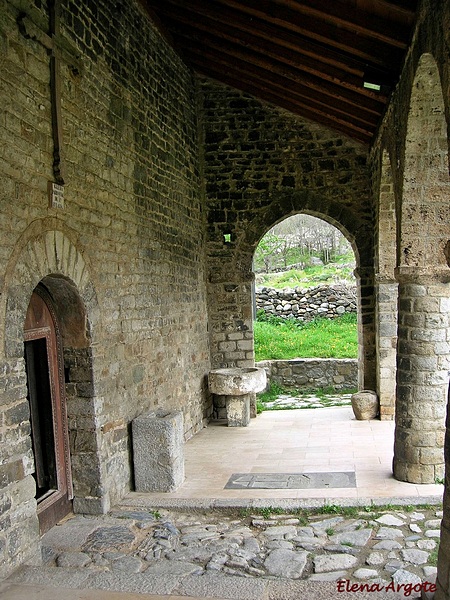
(56, 195)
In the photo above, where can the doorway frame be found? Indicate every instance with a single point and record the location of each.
(57, 504)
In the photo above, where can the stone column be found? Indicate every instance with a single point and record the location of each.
(422, 375)
(443, 567)
(386, 345)
(366, 328)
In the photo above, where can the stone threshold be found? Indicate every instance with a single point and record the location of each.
(152, 501)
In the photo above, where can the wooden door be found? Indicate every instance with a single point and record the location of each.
(49, 433)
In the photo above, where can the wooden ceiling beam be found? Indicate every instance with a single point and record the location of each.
(218, 22)
(356, 118)
(306, 56)
(369, 50)
(284, 90)
(289, 76)
(405, 9)
(328, 39)
(348, 17)
(256, 49)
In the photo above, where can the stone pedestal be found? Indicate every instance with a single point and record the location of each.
(238, 410)
(158, 451)
(238, 387)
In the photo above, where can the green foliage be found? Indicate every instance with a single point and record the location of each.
(267, 250)
(308, 277)
(277, 338)
(433, 556)
(270, 510)
(272, 393)
(331, 509)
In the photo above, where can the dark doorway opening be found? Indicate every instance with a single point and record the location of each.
(49, 433)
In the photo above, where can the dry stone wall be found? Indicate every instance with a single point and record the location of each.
(306, 304)
(313, 373)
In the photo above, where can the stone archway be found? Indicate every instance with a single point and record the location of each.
(230, 284)
(423, 351)
(360, 239)
(52, 259)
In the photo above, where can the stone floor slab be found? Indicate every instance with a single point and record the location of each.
(38, 592)
(291, 481)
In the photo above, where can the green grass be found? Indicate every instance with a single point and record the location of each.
(272, 393)
(433, 556)
(320, 338)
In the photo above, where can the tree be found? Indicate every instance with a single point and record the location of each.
(308, 235)
(269, 246)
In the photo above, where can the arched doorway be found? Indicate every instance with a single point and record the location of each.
(48, 417)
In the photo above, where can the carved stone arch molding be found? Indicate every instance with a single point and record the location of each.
(43, 251)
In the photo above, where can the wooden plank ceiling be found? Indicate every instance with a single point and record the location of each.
(310, 57)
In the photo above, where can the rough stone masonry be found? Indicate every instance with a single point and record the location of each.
(306, 304)
(171, 181)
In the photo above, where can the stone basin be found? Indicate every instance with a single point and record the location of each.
(237, 381)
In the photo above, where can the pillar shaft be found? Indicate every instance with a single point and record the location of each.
(443, 572)
(422, 377)
(366, 328)
(386, 312)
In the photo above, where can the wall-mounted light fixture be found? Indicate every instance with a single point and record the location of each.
(377, 80)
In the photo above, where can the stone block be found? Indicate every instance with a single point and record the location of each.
(158, 451)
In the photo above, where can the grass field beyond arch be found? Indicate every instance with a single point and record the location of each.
(277, 338)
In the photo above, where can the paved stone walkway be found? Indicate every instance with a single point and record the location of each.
(244, 554)
(286, 401)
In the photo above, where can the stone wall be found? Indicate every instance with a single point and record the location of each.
(306, 304)
(313, 373)
(129, 242)
(261, 165)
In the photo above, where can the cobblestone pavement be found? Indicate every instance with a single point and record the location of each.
(245, 554)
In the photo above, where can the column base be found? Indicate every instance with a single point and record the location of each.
(416, 473)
